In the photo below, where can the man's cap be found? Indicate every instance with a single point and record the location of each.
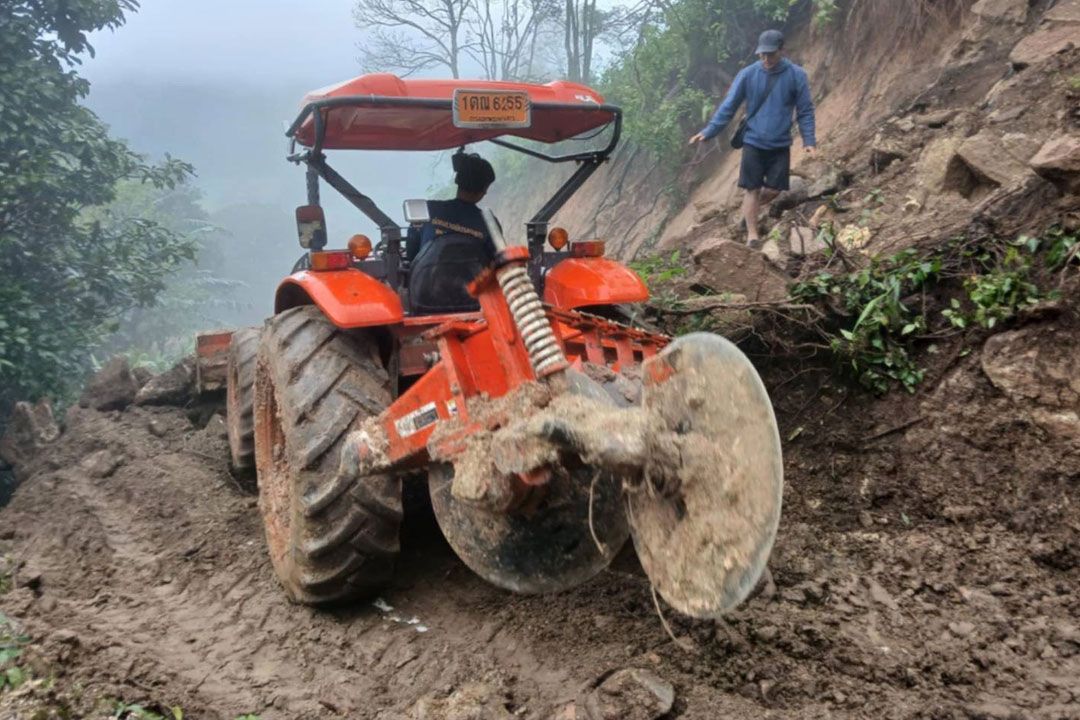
(472, 172)
(769, 42)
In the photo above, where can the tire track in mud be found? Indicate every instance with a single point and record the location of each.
(164, 578)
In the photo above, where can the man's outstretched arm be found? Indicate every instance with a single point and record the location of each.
(726, 111)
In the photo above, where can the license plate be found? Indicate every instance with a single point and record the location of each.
(491, 109)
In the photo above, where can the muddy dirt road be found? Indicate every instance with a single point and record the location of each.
(926, 572)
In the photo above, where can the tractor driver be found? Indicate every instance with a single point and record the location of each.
(454, 246)
(473, 175)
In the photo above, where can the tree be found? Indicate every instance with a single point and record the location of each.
(504, 34)
(66, 276)
(412, 35)
(582, 23)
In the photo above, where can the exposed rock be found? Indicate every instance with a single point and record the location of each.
(885, 151)
(1001, 10)
(630, 694)
(982, 154)
(1064, 11)
(112, 388)
(828, 180)
(29, 429)
(731, 267)
(772, 251)
(705, 210)
(1020, 146)
(472, 701)
(933, 164)
(937, 119)
(216, 429)
(1058, 160)
(1044, 43)
(100, 464)
(1036, 368)
(1007, 114)
(142, 374)
(804, 241)
(794, 196)
(172, 387)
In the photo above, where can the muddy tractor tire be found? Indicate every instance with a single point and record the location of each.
(331, 535)
(240, 397)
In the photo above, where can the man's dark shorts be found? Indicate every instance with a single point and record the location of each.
(765, 168)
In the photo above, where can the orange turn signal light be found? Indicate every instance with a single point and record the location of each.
(558, 237)
(360, 246)
(589, 248)
(330, 260)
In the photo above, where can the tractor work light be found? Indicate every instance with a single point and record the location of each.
(331, 260)
(558, 237)
(589, 248)
(360, 246)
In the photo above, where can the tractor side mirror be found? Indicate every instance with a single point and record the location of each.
(416, 212)
(311, 227)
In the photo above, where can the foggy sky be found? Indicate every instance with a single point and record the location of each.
(215, 82)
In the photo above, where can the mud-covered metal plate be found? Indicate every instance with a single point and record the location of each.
(705, 543)
(541, 549)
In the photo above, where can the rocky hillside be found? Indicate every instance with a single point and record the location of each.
(926, 123)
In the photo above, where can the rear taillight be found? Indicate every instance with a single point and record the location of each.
(330, 260)
(589, 248)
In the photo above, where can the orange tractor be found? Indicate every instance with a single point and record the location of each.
(547, 430)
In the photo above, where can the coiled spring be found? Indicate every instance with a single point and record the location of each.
(528, 312)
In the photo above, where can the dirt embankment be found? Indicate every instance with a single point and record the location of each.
(926, 567)
(928, 114)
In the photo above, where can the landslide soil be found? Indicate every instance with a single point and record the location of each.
(927, 566)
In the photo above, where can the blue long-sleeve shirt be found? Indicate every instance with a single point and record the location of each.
(770, 128)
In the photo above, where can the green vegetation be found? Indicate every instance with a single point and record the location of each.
(665, 78)
(879, 315)
(12, 642)
(70, 265)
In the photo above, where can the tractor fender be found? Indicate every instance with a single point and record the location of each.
(349, 298)
(577, 282)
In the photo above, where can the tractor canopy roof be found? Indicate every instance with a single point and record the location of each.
(384, 112)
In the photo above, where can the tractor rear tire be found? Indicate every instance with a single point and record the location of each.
(332, 536)
(240, 398)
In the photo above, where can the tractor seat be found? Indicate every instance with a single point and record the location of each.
(441, 271)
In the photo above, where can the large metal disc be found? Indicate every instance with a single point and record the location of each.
(547, 548)
(705, 542)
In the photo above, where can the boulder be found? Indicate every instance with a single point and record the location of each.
(1058, 160)
(983, 154)
(1064, 11)
(1014, 11)
(29, 429)
(827, 180)
(705, 210)
(853, 237)
(1035, 365)
(885, 151)
(937, 119)
(725, 266)
(931, 170)
(111, 388)
(630, 694)
(1047, 41)
(772, 251)
(172, 387)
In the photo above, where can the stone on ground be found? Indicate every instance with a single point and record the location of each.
(172, 387)
(472, 701)
(630, 694)
(983, 155)
(804, 241)
(1058, 160)
(1001, 10)
(100, 464)
(112, 388)
(726, 266)
(1043, 44)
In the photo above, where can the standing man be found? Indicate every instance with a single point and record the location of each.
(773, 89)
